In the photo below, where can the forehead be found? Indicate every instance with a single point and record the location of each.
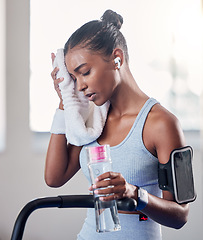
(77, 56)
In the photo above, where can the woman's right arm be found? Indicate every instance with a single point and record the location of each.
(62, 161)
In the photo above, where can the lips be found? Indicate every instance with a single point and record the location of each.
(90, 96)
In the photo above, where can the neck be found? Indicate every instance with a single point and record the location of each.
(128, 97)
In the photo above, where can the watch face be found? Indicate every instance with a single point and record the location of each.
(183, 175)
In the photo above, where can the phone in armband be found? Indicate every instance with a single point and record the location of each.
(176, 175)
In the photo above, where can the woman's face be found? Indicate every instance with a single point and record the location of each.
(94, 75)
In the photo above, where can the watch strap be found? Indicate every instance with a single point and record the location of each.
(142, 199)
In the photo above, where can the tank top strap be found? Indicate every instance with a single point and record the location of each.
(142, 116)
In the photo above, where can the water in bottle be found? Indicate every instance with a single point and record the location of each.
(106, 213)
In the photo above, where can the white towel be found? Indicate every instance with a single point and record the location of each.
(84, 121)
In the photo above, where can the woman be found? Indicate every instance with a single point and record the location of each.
(139, 130)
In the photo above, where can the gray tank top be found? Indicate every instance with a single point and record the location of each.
(139, 167)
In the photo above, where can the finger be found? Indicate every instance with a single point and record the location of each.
(109, 198)
(117, 193)
(119, 190)
(105, 191)
(53, 56)
(58, 80)
(54, 72)
(110, 182)
(106, 175)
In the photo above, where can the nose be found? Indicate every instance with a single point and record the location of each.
(81, 85)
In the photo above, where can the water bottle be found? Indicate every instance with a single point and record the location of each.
(106, 213)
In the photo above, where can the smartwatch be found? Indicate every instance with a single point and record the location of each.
(142, 199)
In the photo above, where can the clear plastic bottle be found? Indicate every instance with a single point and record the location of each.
(106, 213)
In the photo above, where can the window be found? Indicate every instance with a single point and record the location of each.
(164, 47)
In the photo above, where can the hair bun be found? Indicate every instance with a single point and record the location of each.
(111, 17)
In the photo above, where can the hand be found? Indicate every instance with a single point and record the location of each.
(78, 111)
(56, 80)
(115, 186)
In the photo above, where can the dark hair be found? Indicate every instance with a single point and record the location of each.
(100, 35)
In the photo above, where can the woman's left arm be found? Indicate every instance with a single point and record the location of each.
(166, 212)
(162, 210)
(166, 135)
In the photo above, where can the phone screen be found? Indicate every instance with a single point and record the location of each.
(183, 176)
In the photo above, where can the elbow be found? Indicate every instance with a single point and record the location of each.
(184, 217)
(52, 181)
(52, 178)
(180, 224)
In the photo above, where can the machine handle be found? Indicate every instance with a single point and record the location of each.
(65, 201)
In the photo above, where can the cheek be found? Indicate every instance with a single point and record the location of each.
(103, 81)
(109, 81)
(108, 86)
(97, 80)
(106, 79)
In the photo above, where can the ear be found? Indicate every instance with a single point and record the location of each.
(118, 58)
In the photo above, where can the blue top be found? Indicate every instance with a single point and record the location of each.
(139, 167)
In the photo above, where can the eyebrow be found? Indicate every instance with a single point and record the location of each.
(78, 68)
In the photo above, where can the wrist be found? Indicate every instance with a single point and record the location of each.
(61, 105)
(58, 123)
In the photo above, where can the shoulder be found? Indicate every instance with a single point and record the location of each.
(163, 120)
(164, 130)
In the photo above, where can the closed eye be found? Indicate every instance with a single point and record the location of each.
(87, 73)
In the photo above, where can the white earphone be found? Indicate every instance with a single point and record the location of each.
(118, 62)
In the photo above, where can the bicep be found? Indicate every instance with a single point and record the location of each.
(168, 195)
(170, 136)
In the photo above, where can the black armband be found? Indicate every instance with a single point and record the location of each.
(176, 175)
